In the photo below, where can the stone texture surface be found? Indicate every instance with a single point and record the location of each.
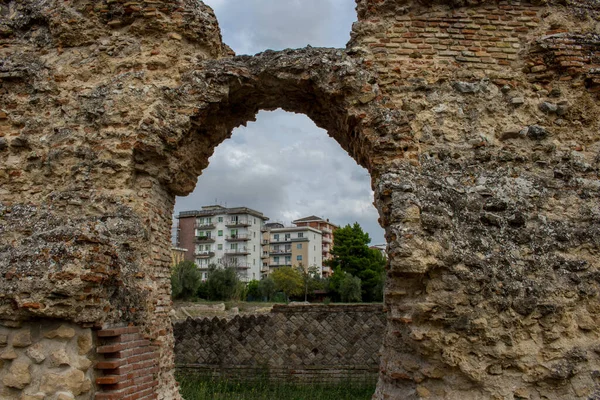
(477, 121)
(302, 343)
(45, 368)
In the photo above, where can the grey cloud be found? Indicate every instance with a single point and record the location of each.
(251, 26)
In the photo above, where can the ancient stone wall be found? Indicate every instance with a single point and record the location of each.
(292, 343)
(42, 359)
(476, 120)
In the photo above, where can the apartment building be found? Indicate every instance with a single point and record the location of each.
(223, 236)
(291, 246)
(327, 230)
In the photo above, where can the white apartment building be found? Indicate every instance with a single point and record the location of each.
(224, 237)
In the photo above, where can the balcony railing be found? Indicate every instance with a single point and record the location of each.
(265, 254)
(290, 239)
(327, 240)
(241, 250)
(281, 264)
(237, 222)
(205, 239)
(205, 254)
(265, 241)
(241, 266)
(282, 251)
(326, 230)
(208, 225)
(238, 237)
(264, 269)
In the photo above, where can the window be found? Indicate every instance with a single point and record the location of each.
(208, 221)
(254, 234)
(234, 233)
(220, 233)
(207, 247)
(220, 219)
(276, 259)
(288, 259)
(254, 248)
(233, 246)
(299, 246)
(254, 221)
(287, 236)
(276, 236)
(298, 258)
(300, 234)
(254, 261)
(219, 247)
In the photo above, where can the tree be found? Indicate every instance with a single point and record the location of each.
(350, 289)
(351, 253)
(185, 280)
(309, 276)
(223, 283)
(267, 288)
(253, 289)
(289, 281)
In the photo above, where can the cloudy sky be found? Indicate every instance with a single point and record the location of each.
(282, 164)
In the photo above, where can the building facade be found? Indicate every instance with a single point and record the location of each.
(177, 255)
(327, 230)
(291, 247)
(226, 237)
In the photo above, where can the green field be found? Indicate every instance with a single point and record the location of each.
(197, 388)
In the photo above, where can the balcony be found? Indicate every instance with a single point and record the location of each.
(264, 269)
(282, 251)
(265, 254)
(326, 230)
(205, 226)
(237, 252)
(205, 239)
(265, 241)
(241, 266)
(281, 264)
(238, 238)
(204, 254)
(327, 240)
(236, 223)
(290, 239)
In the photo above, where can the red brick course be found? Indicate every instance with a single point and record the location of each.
(130, 366)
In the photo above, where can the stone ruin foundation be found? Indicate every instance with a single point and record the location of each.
(477, 120)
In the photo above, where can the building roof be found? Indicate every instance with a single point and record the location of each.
(295, 229)
(216, 210)
(314, 218)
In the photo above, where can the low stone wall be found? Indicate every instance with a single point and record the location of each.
(296, 343)
(46, 360)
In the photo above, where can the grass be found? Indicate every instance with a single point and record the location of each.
(203, 388)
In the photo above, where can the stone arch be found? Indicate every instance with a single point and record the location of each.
(328, 85)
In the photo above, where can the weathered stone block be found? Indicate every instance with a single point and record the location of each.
(18, 375)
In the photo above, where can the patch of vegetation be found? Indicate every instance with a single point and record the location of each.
(193, 387)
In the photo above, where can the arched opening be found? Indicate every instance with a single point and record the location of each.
(276, 169)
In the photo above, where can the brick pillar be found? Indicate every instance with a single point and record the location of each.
(129, 367)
